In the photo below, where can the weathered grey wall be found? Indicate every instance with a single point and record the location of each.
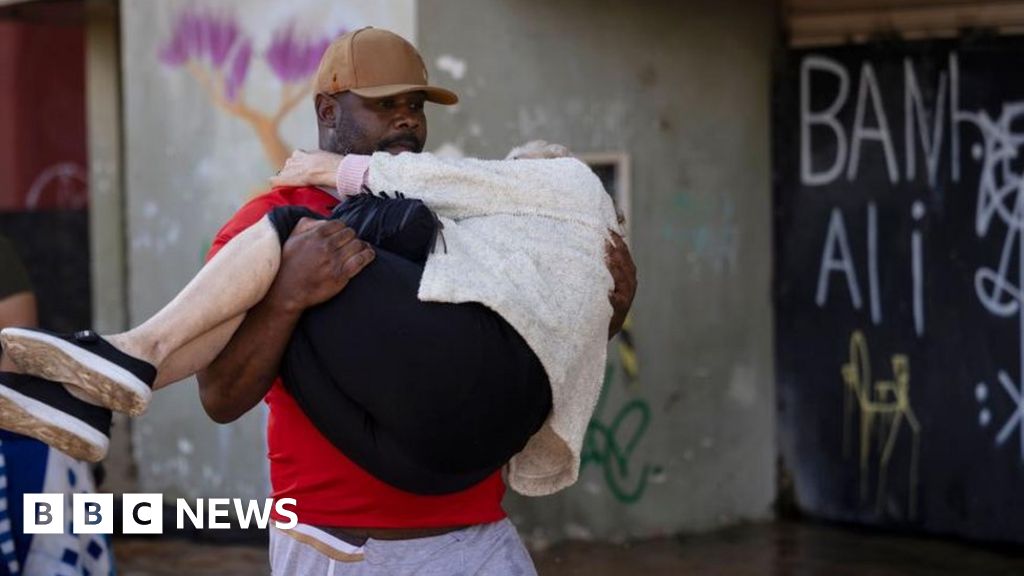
(683, 88)
(106, 213)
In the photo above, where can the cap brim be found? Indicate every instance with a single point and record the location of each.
(434, 94)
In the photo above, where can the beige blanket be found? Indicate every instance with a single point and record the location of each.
(527, 239)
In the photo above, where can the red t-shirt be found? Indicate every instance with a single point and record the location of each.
(329, 489)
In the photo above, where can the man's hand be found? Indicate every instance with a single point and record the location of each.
(623, 271)
(317, 261)
(316, 168)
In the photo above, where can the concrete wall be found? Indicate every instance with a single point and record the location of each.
(107, 232)
(683, 88)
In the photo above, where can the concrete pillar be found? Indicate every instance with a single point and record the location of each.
(106, 205)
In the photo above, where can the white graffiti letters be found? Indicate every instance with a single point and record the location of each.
(836, 256)
(841, 262)
(861, 132)
(916, 113)
(826, 117)
(997, 145)
(923, 128)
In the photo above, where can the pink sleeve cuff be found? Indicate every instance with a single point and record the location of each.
(352, 173)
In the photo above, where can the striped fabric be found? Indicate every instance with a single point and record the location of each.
(7, 556)
(68, 554)
(29, 466)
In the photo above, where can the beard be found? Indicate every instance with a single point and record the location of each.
(348, 137)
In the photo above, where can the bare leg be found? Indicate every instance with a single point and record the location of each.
(197, 354)
(235, 280)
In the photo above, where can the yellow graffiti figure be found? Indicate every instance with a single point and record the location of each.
(884, 406)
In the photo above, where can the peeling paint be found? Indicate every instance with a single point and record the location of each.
(609, 121)
(173, 234)
(742, 387)
(578, 532)
(456, 67)
(449, 150)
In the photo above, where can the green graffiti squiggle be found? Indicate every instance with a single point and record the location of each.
(605, 445)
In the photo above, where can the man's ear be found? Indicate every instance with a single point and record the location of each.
(326, 111)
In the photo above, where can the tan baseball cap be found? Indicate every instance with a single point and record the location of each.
(375, 63)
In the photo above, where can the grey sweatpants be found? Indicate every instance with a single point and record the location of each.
(483, 550)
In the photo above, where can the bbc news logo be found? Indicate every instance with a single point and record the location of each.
(144, 513)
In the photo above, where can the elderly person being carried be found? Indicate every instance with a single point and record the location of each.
(474, 333)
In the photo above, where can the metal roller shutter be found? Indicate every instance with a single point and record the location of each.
(825, 22)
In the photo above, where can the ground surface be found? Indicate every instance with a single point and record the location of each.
(757, 550)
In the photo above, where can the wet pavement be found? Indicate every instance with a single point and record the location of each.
(777, 549)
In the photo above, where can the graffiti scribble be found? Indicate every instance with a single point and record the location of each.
(884, 406)
(1001, 201)
(611, 444)
(63, 186)
(292, 58)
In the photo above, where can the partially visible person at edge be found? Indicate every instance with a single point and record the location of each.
(28, 466)
(349, 521)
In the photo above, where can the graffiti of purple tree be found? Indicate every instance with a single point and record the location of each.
(216, 52)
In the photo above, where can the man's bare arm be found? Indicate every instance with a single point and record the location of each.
(243, 372)
(317, 262)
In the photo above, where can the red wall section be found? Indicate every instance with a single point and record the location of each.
(42, 117)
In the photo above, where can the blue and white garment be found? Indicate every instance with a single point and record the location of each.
(8, 557)
(28, 466)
